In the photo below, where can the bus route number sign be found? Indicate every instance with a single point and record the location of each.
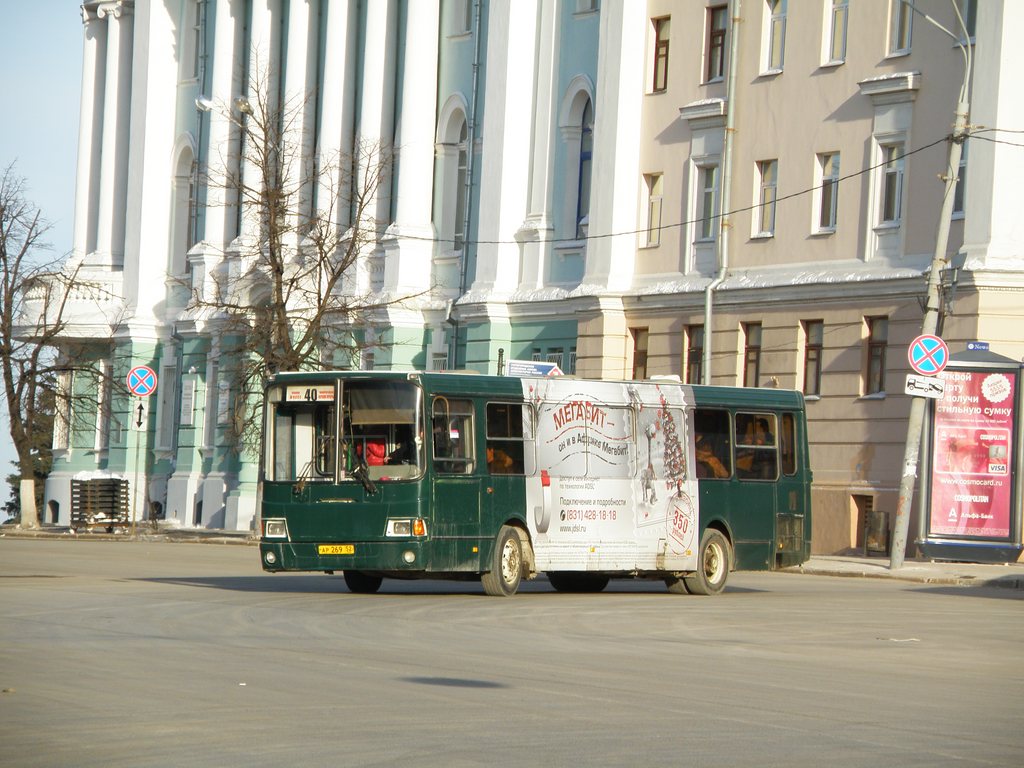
(312, 394)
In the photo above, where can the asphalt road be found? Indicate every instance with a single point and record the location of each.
(164, 654)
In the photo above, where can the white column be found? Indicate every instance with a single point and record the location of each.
(616, 165)
(377, 103)
(993, 226)
(262, 95)
(84, 238)
(299, 111)
(538, 227)
(408, 260)
(507, 129)
(148, 199)
(337, 112)
(116, 114)
(222, 144)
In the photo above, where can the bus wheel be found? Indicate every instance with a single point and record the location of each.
(567, 581)
(712, 565)
(676, 585)
(362, 583)
(506, 564)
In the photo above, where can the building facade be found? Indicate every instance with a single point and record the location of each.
(626, 189)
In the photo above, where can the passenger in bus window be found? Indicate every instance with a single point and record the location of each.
(708, 464)
(499, 462)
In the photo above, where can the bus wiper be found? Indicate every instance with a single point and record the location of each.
(361, 473)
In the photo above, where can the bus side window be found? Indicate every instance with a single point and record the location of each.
(788, 441)
(756, 447)
(452, 428)
(713, 451)
(505, 446)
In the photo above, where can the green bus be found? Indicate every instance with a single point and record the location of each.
(411, 475)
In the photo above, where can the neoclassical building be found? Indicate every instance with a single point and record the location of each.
(741, 193)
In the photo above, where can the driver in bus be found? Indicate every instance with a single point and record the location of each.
(498, 462)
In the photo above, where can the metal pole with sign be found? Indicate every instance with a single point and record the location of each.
(141, 382)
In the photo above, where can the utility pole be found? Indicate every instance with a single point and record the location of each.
(915, 424)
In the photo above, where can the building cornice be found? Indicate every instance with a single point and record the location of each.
(894, 88)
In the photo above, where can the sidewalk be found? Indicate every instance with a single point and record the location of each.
(1009, 576)
(921, 571)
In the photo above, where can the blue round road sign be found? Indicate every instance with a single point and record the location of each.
(928, 355)
(141, 381)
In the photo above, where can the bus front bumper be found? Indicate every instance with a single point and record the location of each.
(404, 555)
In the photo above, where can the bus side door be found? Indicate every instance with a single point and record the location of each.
(456, 487)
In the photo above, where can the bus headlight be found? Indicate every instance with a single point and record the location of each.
(274, 528)
(416, 527)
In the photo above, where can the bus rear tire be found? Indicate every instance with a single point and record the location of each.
(569, 581)
(506, 564)
(362, 583)
(713, 563)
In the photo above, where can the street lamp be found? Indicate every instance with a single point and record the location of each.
(915, 424)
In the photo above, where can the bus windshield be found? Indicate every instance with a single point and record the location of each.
(379, 426)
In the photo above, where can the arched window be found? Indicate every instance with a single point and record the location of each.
(184, 210)
(459, 234)
(586, 158)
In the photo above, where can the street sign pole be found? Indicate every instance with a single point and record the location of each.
(141, 382)
(915, 424)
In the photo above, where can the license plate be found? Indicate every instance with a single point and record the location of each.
(337, 549)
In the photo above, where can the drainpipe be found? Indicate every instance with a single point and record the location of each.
(725, 223)
(453, 350)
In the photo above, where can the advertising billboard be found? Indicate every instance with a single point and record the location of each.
(972, 452)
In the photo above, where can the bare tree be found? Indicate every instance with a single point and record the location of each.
(293, 291)
(35, 291)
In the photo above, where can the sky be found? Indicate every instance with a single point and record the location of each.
(41, 62)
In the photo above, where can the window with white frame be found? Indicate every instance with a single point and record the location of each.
(775, 35)
(707, 202)
(828, 191)
(969, 12)
(462, 161)
(876, 343)
(461, 18)
(768, 172)
(891, 211)
(165, 406)
(837, 19)
(959, 194)
(104, 377)
(901, 27)
(585, 165)
(717, 27)
(653, 182)
(62, 412)
(586, 6)
(814, 340)
(659, 79)
(694, 354)
(751, 354)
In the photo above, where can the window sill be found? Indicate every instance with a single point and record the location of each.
(832, 64)
(649, 246)
(901, 54)
(823, 232)
(888, 227)
(714, 81)
(657, 93)
(762, 236)
(812, 398)
(771, 73)
(873, 396)
(957, 216)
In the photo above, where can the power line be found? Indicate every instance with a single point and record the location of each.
(733, 212)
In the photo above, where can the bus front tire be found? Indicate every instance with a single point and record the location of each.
(362, 583)
(506, 564)
(713, 564)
